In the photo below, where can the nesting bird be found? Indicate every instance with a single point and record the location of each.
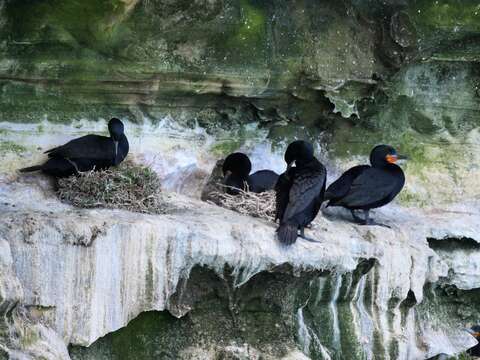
(86, 153)
(299, 191)
(366, 187)
(236, 169)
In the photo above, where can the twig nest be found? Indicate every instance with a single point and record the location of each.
(260, 205)
(128, 186)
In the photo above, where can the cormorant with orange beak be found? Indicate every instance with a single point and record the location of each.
(367, 187)
(475, 351)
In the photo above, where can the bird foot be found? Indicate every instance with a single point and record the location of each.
(358, 219)
(374, 223)
(302, 236)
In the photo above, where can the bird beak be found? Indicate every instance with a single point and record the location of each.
(473, 333)
(290, 165)
(392, 159)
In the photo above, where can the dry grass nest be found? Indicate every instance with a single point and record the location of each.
(260, 205)
(128, 186)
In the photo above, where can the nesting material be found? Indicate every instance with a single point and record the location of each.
(128, 186)
(247, 203)
(260, 205)
(212, 187)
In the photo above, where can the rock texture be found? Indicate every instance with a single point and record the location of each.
(195, 80)
(77, 275)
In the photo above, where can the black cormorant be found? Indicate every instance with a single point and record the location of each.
(367, 187)
(475, 351)
(86, 153)
(299, 191)
(236, 170)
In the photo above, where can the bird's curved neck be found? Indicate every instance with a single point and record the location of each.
(120, 149)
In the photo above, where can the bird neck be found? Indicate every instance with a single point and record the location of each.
(239, 177)
(121, 149)
(383, 165)
(303, 163)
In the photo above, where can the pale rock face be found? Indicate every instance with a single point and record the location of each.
(71, 276)
(92, 271)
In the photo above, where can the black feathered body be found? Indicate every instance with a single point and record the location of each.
(474, 351)
(340, 187)
(90, 152)
(60, 167)
(299, 195)
(99, 149)
(258, 182)
(235, 182)
(263, 180)
(365, 187)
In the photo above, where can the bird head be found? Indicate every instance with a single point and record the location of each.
(237, 164)
(298, 151)
(382, 155)
(475, 331)
(115, 128)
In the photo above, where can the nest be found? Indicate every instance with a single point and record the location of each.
(261, 205)
(128, 186)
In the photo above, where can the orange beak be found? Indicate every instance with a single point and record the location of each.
(477, 335)
(392, 159)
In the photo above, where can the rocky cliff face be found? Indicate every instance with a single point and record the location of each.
(203, 282)
(195, 80)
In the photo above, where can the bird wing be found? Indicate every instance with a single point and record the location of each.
(88, 146)
(263, 180)
(307, 185)
(339, 188)
(371, 186)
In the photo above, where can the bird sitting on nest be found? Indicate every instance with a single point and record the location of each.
(236, 169)
(86, 153)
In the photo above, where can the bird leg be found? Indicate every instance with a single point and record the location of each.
(358, 219)
(302, 235)
(369, 221)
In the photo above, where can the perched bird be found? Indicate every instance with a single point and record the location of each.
(475, 332)
(86, 153)
(367, 187)
(236, 169)
(299, 191)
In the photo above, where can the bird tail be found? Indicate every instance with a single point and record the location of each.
(30, 169)
(287, 233)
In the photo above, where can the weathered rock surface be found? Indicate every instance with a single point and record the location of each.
(196, 80)
(81, 274)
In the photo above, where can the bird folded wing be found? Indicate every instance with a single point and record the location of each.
(340, 187)
(305, 188)
(89, 146)
(281, 195)
(369, 187)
